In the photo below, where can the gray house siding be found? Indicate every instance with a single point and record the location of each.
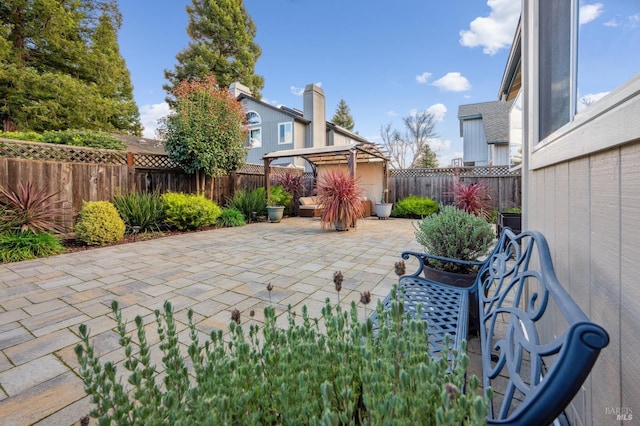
(581, 188)
(271, 118)
(474, 143)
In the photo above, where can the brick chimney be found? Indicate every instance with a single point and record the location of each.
(314, 110)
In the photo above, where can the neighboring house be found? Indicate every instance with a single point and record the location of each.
(581, 188)
(484, 128)
(281, 128)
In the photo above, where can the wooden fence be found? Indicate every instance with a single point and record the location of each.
(80, 174)
(506, 185)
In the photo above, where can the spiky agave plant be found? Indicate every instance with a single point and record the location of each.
(32, 209)
(340, 197)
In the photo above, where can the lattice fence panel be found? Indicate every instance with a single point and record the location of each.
(154, 161)
(50, 152)
(456, 171)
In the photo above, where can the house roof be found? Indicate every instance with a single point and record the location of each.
(324, 155)
(138, 145)
(495, 119)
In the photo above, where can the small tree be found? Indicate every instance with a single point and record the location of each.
(206, 132)
(411, 148)
(343, 117)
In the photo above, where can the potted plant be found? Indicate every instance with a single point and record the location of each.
(455, 234)
(383, 209)
(340, 198)
(278, 199)
(510, 218)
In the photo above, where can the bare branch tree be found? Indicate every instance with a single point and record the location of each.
(411, 149)
(420, 127)
(395, 146)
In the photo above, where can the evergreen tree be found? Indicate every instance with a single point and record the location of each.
(342, 117)
(111, 75)
(49, 68)
(222, 43)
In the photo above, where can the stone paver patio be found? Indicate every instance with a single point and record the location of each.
(42, 302)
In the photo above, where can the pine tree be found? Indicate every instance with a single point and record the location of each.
(342, 117)
(110, 73)
(222, 43)
(48, 70)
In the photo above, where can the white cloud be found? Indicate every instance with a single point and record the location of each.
(299, 91)
(590, 98)
(392, 113)
(149, 116)
(493, 32)
(423, 78)
(438, 111)
(270, 102)
(445, 158)
(438, 145)
(612, 23)
(590, 12)
(453, 82)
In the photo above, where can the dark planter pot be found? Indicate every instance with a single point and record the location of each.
(456, 279)
(510, 220)
(275, 213)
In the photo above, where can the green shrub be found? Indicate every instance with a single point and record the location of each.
(415, 207)
(249, 202)
(22, 136)
(189, 211)
(455, 234)
(338, 372)
(86, 138)
(99, 223)
(230, 218)
(16, 246)
(278, 196)
(143, 209)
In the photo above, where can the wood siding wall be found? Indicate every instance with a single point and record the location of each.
(589, 210)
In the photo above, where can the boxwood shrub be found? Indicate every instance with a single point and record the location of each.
(189, 211)
(415, 207)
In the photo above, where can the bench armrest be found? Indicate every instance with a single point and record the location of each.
(423, 257)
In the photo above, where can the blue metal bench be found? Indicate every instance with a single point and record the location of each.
(534, 374)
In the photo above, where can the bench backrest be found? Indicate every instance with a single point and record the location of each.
(534, 374)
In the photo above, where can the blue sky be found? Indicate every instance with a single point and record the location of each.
(386, 59)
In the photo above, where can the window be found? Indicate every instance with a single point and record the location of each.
(285, 133)
(254, 138)
(515, 132)
(556, 100)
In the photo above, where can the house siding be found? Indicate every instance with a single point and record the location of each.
(270, 117)
(475, 143)
(589, 210)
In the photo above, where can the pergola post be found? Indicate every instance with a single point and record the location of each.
(353, 161)
(267, 176)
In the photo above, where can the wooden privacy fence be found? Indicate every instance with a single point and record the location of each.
(506, 185)
(80, 174)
